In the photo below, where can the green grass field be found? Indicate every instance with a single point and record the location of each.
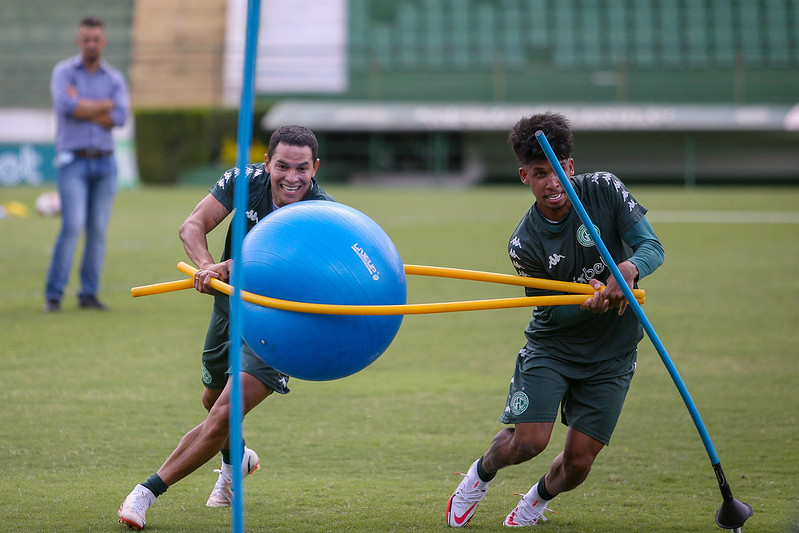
(94, 402)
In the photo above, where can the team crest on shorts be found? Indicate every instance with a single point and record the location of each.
(206, 376)
(519, 402)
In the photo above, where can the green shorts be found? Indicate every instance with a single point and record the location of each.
(590, 396)
(216, 366)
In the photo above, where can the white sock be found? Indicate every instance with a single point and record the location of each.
(532, 495)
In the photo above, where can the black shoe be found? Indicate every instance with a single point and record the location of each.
(52, 306)
(91, 302)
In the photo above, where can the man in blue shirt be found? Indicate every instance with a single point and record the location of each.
(90, 98)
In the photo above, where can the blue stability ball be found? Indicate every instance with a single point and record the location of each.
(320, 252)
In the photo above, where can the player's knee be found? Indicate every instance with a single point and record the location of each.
(217, 424)
(209, 398)
(207, 403)
(577, 467)
(525, 449)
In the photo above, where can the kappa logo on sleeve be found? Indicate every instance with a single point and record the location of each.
(226, 177)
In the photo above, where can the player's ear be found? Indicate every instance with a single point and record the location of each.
(523, 176)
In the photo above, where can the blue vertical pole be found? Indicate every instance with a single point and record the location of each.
(240, 199)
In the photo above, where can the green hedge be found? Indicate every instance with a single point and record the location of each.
(171, 142)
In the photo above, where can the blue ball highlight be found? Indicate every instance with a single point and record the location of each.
(320, 252)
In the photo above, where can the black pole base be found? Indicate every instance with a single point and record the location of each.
(733, 514)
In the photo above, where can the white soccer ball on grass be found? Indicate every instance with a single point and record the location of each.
(48, 204)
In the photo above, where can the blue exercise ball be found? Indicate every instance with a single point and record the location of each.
(320, 252)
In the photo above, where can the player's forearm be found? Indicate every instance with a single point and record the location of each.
(629, 271)
(203, 219)
(648, 256)
(195, 244)
(648, 253)
(199, 255)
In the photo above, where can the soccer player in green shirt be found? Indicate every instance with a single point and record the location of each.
(578, 359)
(286, 177)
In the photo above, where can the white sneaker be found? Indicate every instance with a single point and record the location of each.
(529, 511)
(131, 512)
(222, 494)
(463, 502)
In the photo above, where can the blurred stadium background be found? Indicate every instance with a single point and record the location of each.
(425, 91)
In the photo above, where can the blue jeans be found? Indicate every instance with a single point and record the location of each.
(87, 188)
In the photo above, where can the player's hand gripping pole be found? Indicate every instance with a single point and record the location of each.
(733, 513)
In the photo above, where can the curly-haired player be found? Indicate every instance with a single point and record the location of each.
(579, 359)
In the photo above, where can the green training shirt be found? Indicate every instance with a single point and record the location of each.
(564, 251)
(259, 204)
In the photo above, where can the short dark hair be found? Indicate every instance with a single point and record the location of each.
(295, 136)
(92, 22)
(556, 128)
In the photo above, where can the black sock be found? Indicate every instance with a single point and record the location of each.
(156, 485)
(542, 489)
(482, 474)
(226, 454)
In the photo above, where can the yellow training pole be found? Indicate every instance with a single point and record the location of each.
(507, 279)
(422, 270)
(160, 288)
(407, 309)
(404, 309)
